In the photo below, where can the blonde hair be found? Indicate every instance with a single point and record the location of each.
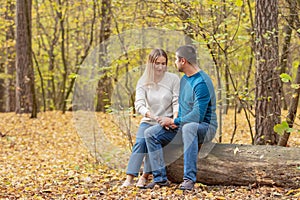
(148, 75)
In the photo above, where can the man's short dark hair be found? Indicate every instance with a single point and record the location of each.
(188, 52)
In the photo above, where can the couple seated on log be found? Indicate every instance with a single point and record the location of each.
(171, 107)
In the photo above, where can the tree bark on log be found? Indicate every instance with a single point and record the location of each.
(235, 164)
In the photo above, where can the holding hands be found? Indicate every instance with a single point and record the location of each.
(166, 122)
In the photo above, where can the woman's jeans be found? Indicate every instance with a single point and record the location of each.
(139, 152)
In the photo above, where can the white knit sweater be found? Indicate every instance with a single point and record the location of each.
(160, 99)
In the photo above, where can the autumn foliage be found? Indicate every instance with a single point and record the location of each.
(45, 158)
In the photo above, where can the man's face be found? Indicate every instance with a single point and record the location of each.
(178, 63)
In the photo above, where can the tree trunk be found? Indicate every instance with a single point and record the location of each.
(288, 30)
(61, 18)
(268, 84)
(235, 164)
(10, 85)
(2, 89)
(104, 90)
(25, 94)
(292, 111)
(10, 66)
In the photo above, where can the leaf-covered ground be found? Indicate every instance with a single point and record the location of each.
(44, 158)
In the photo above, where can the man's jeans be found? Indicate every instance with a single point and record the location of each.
(194, 134)
(156, 138)
(139, 152)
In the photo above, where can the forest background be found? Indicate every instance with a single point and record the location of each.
(87, 55)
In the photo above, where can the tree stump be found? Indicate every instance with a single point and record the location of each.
(235, 164)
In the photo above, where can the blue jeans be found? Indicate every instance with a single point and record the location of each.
(194, 134)
(139, 152)
(156, 138)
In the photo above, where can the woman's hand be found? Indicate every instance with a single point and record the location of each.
(149, 115)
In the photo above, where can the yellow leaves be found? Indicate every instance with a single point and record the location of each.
(239, 3)
(295, 95)
(44, 158)
(220, 198)
(297, 195)
(210, 195)
(242, 135)
(39, 154)
(179, 192)
(294, 193)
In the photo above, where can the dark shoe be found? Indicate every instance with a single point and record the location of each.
(160, 184)
(187, 185)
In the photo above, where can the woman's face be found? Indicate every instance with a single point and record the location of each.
(160, 66)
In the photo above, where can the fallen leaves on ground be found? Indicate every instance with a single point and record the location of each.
(44, 158)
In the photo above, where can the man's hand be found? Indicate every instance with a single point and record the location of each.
(173, 126)
(166, 122)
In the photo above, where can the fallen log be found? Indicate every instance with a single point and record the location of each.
(235, 164)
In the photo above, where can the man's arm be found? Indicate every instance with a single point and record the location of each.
(200, 104)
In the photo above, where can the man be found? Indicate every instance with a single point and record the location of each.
(196, 121)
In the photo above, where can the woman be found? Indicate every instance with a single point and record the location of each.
(156, 95)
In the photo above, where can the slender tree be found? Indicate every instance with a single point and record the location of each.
(10, 54)
(2, 89)
(105, 82)
(47, 42)
(25, 91)
(63, 34)
(268, 90)
(293, 23)
(286, 47)
(292, 111)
